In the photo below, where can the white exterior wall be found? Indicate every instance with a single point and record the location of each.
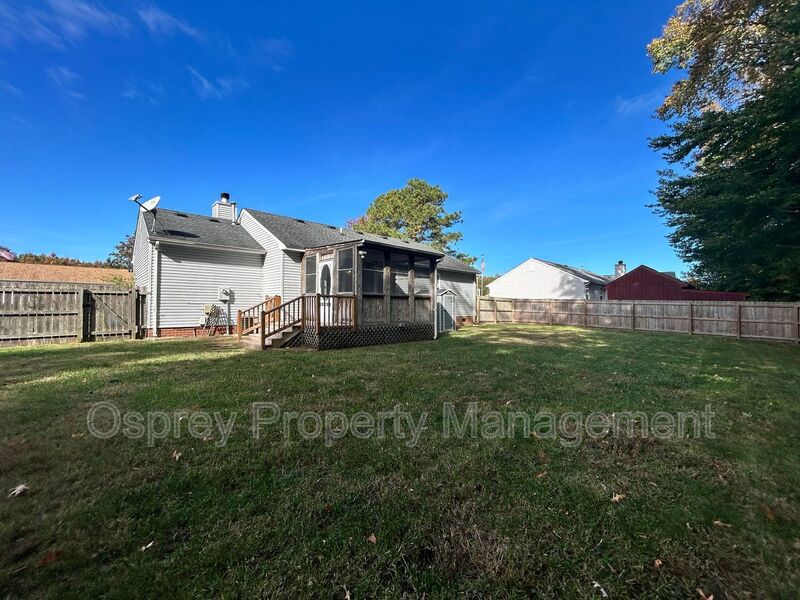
(271, 284)
(465, 287)
(191, 277)
(534, 279)
(143, 263)
(292, 282)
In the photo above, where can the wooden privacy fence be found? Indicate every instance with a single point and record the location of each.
(752, 320)
(53, 312)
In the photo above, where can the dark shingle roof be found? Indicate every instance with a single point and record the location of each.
(449, 263)
(581, 273)
(300, 234)
(187, 228)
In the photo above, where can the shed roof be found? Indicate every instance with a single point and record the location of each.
(301, 234)
(187, 228)
(448, 263)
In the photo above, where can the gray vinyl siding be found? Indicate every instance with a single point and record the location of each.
(191, 277)
(143, 262)
(292, 283)
(464, 286)
(271, 272)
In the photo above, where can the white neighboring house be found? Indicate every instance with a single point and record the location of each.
(182, 260)
(537, 278)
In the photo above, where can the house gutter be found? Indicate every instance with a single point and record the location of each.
(156, 290)
(211, 246)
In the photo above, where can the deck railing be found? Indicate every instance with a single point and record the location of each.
(312, 312)
(248, 320)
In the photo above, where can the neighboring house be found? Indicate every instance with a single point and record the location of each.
(537, 278)
(644, 283)
(16, 271)
(182, 261)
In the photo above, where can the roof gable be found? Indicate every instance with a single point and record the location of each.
(582, 274)
(644, 269)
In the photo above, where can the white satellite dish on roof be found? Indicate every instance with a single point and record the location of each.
(152, 203)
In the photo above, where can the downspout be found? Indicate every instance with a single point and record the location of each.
(156, 290)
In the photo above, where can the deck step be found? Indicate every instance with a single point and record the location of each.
(253, 341)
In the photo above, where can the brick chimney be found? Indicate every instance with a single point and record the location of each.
(619, 269)
(224, 208)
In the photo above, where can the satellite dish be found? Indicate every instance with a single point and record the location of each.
(151, 204)
(135, 198)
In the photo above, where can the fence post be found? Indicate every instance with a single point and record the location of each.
(739, 320)
(549, 312)
(691, 318)
(494, 304)
(633, 316)
(585, 313)
(132, 313)
(797, 324)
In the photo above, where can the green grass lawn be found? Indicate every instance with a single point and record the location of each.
(500, 517)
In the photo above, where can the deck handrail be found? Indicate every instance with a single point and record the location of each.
(248, 319)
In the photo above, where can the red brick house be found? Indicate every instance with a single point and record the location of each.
(644, 283)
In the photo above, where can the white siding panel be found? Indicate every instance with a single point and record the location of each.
(271, 271)
(464, 286)
(143, 263)
(534, 279)
(191, 277)
(292, 284)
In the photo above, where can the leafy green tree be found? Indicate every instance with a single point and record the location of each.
(415, 212)
(122, 256)
(732, 195)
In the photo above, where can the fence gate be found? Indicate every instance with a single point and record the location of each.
(54, 312)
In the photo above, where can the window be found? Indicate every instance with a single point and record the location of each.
(311, 274)
(344, 268)
(399, 264)
(422, 276)
(372, 272)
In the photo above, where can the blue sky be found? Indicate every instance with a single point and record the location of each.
(533, 116)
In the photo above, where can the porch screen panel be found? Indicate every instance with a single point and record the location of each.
(422, 276)
(372, 273)
(344, 268)
(399, 264)
(311, 274)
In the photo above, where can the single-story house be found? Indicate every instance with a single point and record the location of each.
(537, 278)
(359, 288)
(644, 283)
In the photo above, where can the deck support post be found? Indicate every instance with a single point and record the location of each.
(262, 332)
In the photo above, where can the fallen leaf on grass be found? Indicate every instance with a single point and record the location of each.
(346, 593)
(51, 557)
(719, 523)
(617, 498)
(768, 512)
(658, 563)
(703, 595)
(372, 539)
(176, 455)
(540, 475)
(147, 547)
(18, 491)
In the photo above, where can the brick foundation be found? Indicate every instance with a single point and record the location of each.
(190, 331)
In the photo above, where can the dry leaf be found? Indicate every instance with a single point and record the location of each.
(597, 586)
(703, 595)
(658, 563)
(346, 593)
(617, 498)
(768, 513)
(150, 545)
(372, 539)
(540, 475)
(176, 455)
(51, 557)
(719, 523)
(18, 491)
